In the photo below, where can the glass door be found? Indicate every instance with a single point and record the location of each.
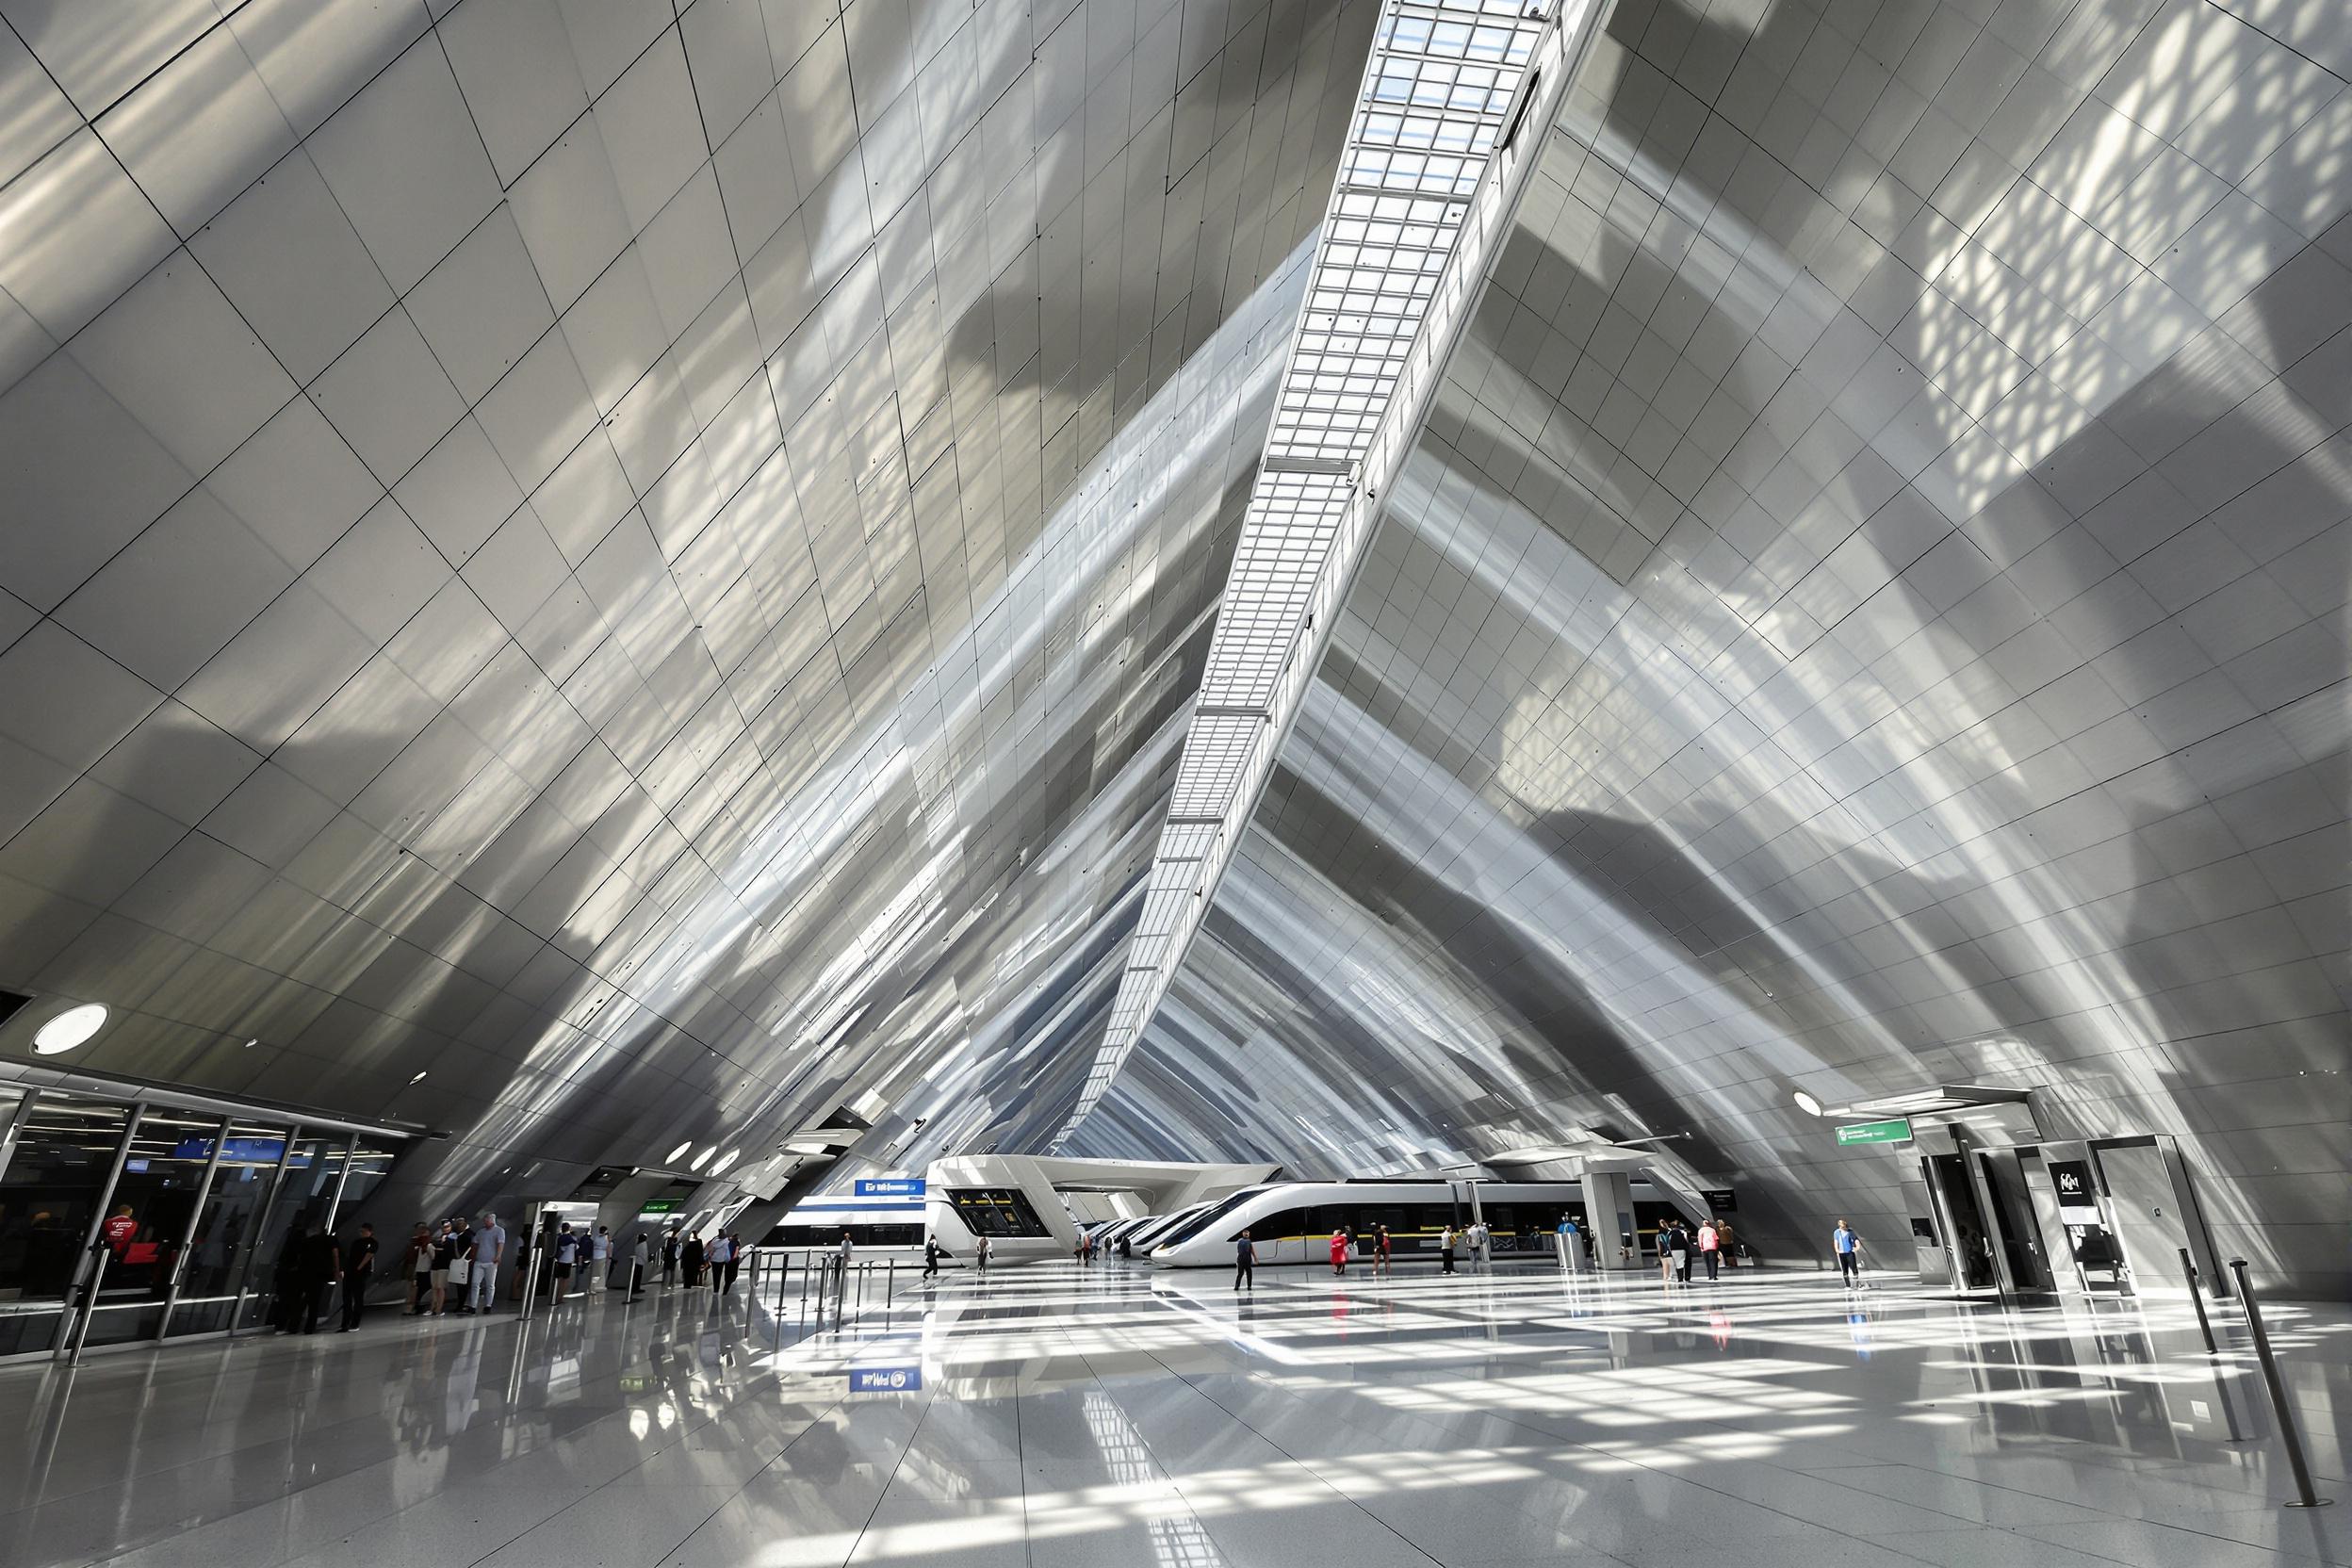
(56, 1179)
(228, 1227)
(148, 1215)
(304, 1192)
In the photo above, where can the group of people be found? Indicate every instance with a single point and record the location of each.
(1680, 1249)
(1089, 1246)
(933, 1252)
(1474, 1238)
(715, 1261)
(454, 1253)
(1376, 1249)
(312, 1265)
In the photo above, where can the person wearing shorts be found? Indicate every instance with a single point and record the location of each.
(566, 1252)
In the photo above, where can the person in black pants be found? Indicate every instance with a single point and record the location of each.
(1244, 1259)
(669, 1258)
(359, 1267)
(930, 1257)
(322, 1266)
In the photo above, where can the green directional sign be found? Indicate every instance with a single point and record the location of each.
(659, 1205)
(1896, 1131)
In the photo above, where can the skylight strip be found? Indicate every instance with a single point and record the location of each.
(1354, 393)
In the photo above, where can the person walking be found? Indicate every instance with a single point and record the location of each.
(715, 1258)
(640, 1262)
(321, 1271)
(1682, 1253)
(417, 1268)
(1481, 1248)
(599, 1259)
(1445, 1250)
(734, 1258)
(489, 1256)
(443, 1254)
(843, 1250)
(1709, 1244)
(1339, 1253)
(1848, 1245)
(1666, 1255)
(1245, 1261)
(669, 1258)
(931, 1257)
(983, 1253)
(359, 1271)
(1381, 1248)
(566, 1256)
(691, 1256)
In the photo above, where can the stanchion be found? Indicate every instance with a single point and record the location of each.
(2288, 1435)
(889, 1288)
(89, 1303)
(2197, 1296)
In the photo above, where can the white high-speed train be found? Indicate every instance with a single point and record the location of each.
(1293, 1221)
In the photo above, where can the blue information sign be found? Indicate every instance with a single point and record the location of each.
(237, 1150)
(898, 1186)
(885, 1380)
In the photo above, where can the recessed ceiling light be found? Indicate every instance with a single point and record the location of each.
(1807, 1103)
(250, 1044)
(69, 1028)
(419, 1079)
(680, 1153)
(702, 1159)
(726, 1159)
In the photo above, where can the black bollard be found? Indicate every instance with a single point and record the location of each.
(2287, 1432)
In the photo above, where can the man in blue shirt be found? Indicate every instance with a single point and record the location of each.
(1245, 1258)
(1849, 1246)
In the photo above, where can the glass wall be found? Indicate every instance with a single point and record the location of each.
(191, 1210)
(148, 1215)
(227, 1228)
(56, 1178)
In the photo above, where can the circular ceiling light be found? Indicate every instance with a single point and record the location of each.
(1807, 1103)
(726, 1159)
(702, 1159)
(677, 1154)
(69, 1028)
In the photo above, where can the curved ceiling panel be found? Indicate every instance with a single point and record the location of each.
(1868, 611)
(591, 576)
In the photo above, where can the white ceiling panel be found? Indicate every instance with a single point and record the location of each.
(407, 165)
(175, 355)
(285, 255)
(388, 398)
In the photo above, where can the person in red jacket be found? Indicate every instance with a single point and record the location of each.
(1339, 1252)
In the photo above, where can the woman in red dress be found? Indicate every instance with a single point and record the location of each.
(1339, 1252)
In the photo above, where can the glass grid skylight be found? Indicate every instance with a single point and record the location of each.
(1395, 268)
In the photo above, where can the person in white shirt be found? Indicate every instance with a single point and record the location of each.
(489, 1254)
(1709, 1243)
(641, 1260)
(722, 1248)
(599, 1258)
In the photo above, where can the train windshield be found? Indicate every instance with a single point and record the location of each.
(1209, 1216)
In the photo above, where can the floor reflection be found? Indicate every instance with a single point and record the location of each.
(1117, 1415)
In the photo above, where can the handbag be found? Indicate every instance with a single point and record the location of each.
(460, 1271)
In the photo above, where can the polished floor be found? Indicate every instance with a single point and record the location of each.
(1110, 1416)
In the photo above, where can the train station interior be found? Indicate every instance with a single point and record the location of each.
(1591, 807)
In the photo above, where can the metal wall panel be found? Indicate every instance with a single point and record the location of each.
(612, 582)
(1867, 611)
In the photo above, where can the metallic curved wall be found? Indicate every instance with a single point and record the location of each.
(1867, 611)
(604, 576)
